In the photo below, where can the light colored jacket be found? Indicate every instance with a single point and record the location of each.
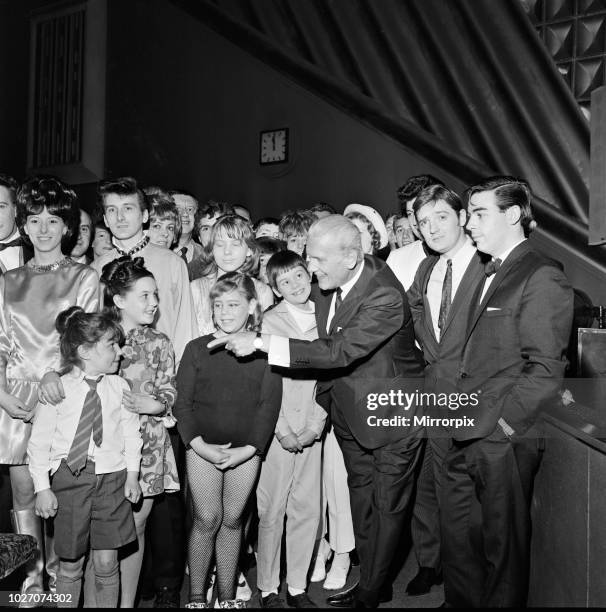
(299, 408)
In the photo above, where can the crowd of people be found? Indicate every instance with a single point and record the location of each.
(172, 370)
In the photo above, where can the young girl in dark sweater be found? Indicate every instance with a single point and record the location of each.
(226, 411)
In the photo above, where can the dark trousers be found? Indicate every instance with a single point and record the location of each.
(381, 483)
(485, 509)
(6, 500)
(425, 524)
(165, 533)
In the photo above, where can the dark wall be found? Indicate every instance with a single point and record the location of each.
(185, 107)
(14, 74)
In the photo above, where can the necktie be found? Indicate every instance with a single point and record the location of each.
(183, 254)
(446, 296)
(492, 266)
(17, 242)
(338, 298)
(91, 421)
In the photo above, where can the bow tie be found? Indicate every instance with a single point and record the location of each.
(17, 242)
(492, 266)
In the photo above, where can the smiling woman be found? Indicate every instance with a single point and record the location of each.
(30, 299)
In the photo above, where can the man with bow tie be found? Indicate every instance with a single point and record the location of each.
(366, 336)
(513, 358)
(13, 252)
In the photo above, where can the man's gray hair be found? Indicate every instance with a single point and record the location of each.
(344, 233)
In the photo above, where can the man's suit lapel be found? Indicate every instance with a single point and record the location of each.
(322, 302)
(499, 277)
(351, 300)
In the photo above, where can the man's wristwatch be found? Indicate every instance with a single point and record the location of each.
(258, 341)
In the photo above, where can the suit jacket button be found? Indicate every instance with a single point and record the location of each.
(463, 374)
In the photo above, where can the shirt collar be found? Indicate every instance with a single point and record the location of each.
(503, 256)
(300, 311)
(348, 286)
(462, 255)
(14, 236)
(79, 375)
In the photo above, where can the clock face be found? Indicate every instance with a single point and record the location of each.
(274, 146)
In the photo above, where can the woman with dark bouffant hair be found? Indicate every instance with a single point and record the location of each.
(31, 297)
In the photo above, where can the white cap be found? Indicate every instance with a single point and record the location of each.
(373, 216)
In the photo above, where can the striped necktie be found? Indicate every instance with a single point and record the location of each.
(446, 300)
(91, 421)
(338, 298)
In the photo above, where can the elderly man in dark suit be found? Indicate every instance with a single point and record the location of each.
(440, 300)
(513, 359)
(366, 343)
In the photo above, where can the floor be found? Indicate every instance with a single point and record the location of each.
(400, 600)
(316, 592)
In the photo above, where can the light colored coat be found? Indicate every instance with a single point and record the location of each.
(299, 407)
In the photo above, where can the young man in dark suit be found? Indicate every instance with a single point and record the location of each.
(13, 251)
(366, 340)
(440, 300)
(513, 359)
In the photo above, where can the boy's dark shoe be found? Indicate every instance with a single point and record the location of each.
(299, 601)
(273, 600)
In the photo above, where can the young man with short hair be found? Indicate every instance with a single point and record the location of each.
(440, 300)
(513, 358)
(405, 260)
(13, 251)
(125, 212)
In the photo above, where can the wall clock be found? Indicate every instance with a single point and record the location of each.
(273, 147)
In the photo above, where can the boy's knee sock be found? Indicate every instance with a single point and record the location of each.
(107, 587)
(70, 588)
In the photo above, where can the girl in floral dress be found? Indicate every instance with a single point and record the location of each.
(148, 366)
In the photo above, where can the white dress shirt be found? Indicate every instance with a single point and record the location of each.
(405, 262)
(460, 262)
(55, 427)
(305, 319)
(503, 256)
(11, 257)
